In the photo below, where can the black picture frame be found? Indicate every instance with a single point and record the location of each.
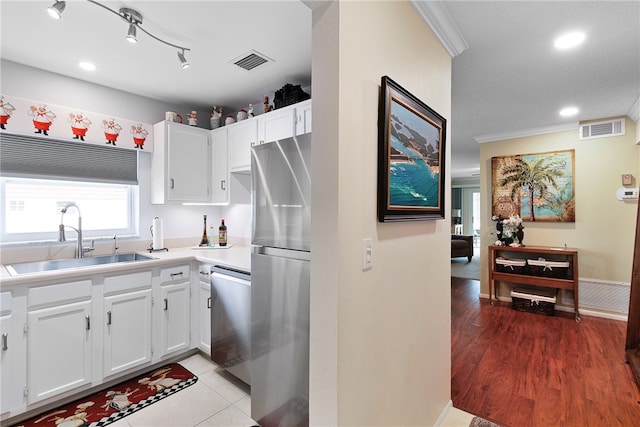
(411, 157)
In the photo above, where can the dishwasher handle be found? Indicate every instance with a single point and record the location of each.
(233, 272)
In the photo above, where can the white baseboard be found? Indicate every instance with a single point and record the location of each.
(443, 415)
(583, 312)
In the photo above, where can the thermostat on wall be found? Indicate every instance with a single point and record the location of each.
(627, 193)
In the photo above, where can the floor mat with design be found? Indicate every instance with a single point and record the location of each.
(481, 422)
(109, 405)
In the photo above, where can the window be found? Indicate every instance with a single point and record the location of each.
(31, 208)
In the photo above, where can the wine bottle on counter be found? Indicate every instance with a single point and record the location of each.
(205, 239)
(222, 234)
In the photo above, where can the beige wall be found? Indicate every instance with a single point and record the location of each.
(380, 349)
(604, 228)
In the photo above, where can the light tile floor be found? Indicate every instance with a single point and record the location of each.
(218, 399)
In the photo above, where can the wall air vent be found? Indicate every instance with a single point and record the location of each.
(602, 129)
(250, 60)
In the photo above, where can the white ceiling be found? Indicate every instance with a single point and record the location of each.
(509, 81)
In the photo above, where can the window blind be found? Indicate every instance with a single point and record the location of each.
(35, 157)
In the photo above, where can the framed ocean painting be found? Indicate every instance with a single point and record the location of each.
(411, 157)
(539, 187)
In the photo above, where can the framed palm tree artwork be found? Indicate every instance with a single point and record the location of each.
(537, 187)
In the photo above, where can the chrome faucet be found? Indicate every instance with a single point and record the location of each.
(80, 250)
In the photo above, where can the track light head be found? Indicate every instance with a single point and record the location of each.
(56, 9)
(131, 35)
(183, 61)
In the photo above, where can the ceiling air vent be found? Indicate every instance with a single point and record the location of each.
(251, 60)
(603, 129)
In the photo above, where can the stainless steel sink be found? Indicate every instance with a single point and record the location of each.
(61, 264)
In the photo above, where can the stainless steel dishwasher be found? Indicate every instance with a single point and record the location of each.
(231, 320)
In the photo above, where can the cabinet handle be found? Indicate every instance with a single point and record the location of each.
(5, 342)
(166, 304)
(88, 319)
(109, 317)
(176, 274)
(223, 184)
(209, 302)
(171, 183)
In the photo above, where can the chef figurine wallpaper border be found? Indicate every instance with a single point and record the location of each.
(24, 116)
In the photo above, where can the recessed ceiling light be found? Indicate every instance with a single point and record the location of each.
(569, 40)
(569, 111)
(89, 66)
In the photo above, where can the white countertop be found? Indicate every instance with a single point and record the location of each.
(235, 256)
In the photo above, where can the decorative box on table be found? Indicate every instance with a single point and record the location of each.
(545, 268)
(539, 301)
(505, 265)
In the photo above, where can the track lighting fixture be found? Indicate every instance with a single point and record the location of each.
(131, 35)
(55, 10)
(183, 61)
(133, 18)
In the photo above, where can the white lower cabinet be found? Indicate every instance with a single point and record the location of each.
(59, 343)
(204, 308)
(7, 365)
(127, 331)
(175, 297)
(59, 339)
(13, 364)
(127, 322)
(175, 318)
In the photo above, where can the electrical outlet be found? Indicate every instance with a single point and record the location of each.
(367, 254)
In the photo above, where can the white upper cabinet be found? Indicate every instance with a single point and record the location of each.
(220, 172)
(277, 125)
(181, 166)
(241, 137)
(303, 117)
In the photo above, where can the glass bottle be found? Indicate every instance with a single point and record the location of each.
(205, 240)
(222, 234)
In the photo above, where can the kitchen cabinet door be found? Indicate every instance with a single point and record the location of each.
(241, 137)
(303, 117)
(126, 331)
(220, 172)
(175, 315)
(13, 353)
(277, 125)
(204, 308)
(181, 167)
(59, 343)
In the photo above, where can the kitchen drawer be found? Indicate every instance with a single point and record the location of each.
(127, 282)
(178, 272)
(58, 293)
(6, 303)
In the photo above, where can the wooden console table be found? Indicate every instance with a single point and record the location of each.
(533, 252)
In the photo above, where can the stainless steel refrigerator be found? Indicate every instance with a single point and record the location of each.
(280, 276)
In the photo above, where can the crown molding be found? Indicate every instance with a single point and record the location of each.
(527, 132)
(437, 16)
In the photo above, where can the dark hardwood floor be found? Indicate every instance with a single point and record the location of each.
(523, 369)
